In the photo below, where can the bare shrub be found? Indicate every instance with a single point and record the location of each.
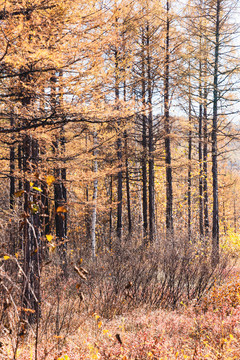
(154, 276)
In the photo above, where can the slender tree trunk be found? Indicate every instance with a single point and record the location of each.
(60, 199)
(234, 214)
(200, 151)
(19, 157)
(119, 152)
(144, 146)
(12, 177)
(215, 214)
(189, 196)
(32, 242)
(128, 185)
(60, 192)
(95, 191)
(12, 236)
(205, 154)
(126, 163)
(32, 211)
(150, 146)
(110, 212)
(169, 191)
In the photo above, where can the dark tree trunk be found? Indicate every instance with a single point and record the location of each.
(20, 160)
(215, 214)
(12, 237)
(128, 185)
(205, 154)
(144, 146)
(110, 212)
(200, 154)
(32, 239)
(189, 193)
(60, 193)
(95, 191)
(60, 199)
(119, 152)
(169, 191)
(12, 177)
(150, 145)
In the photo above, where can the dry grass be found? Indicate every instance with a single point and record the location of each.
(209, 329)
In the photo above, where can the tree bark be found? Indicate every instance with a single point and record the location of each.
(200, 151)
(151, 189)
(215, 214)
(189, 193)
(144, 145)
(128, 185)
(119, 152)
(168, 162)
(205, 154)
(95, 191)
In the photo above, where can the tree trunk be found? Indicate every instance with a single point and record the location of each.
(144, 146)
(189, 193)
(205, 154)
(150, 146)
(215, 214)
(200, 151)
(95, 191)
(128, 185)
(32, 242)
(169, 191)
(119, 153)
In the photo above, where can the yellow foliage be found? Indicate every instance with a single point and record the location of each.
(49, 238)
(50, 180)
(222, 296)
(61, 209)
(231, 243)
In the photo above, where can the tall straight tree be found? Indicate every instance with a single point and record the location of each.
(215, 213)
(168, 160)
(151, 189)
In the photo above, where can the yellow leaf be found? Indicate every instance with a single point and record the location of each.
(6, 257)
(52, 248)
(28, 310)
(58, 336)
(61, 209)
(19, 193)
(37, 188)
(49, 238)
(99, 324)
(16, 254)
(50, 179)
(31, 183)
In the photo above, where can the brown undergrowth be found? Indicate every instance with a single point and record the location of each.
(129, 304)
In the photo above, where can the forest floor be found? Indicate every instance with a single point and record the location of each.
(208, 330)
